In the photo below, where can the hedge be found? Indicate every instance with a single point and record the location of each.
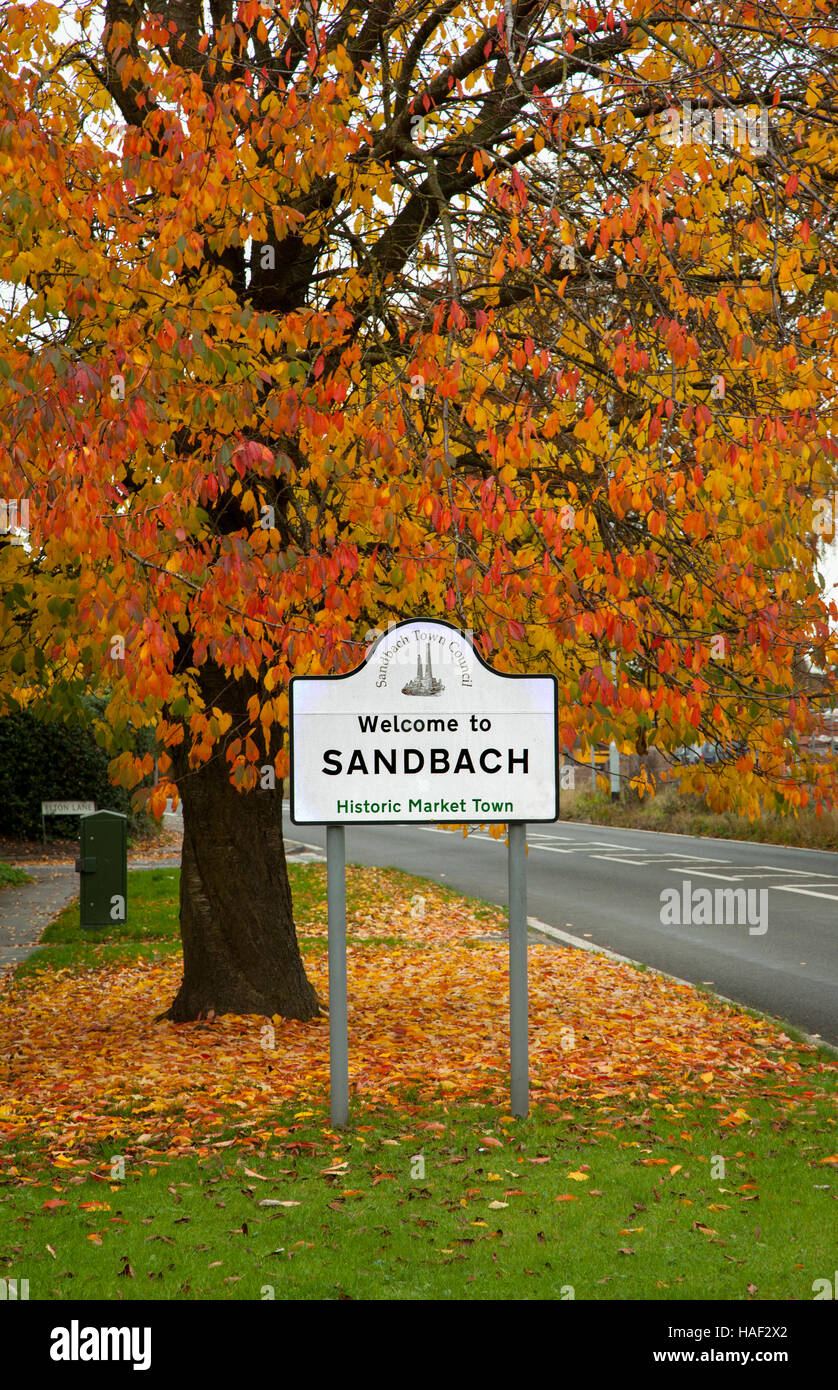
(52, 761)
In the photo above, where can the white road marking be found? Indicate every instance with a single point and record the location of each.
(688, 865)
(636, 863)
(808, 892)
(804, 873)
(542, 836)
(556, 849)
(697, 858)
(699, 873)
(748, 873)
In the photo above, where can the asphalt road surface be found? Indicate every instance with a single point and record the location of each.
(775, 948)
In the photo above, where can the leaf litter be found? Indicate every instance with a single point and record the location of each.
(86, 1063)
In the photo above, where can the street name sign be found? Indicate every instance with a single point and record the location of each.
(67, 808)
(423, 731)
(63, 808)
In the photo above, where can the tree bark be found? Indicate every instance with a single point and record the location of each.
(240, 949)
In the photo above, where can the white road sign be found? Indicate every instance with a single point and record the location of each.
(67, 808)
(423, 731)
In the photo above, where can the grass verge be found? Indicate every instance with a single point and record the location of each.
(598, 1203)
(10, 876)
(674, 813)
(172, 1184)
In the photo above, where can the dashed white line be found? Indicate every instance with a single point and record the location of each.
(808, 892)
(702, 873)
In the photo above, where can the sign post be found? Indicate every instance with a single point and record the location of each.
(338, 1013)
(519, 1044)
(64, 808)
(424, 731)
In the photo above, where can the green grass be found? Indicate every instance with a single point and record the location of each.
(9, 876)
(151, 930)
(195, 1229)
(652, 1217)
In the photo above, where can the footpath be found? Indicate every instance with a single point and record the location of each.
(26, 909)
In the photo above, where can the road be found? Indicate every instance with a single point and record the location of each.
(608, 886)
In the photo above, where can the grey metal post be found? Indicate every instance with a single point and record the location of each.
(613, 751)
(519, 1068)
(614, 769)
(338, 1020)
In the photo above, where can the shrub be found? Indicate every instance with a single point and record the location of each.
(49, 760)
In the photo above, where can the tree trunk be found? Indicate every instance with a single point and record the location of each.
(240, 950)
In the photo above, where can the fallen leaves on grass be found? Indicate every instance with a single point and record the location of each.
(88, 1065)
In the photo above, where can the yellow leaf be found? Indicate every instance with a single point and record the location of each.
(736, 1118)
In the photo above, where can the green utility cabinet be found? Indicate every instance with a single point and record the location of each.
(103, 869)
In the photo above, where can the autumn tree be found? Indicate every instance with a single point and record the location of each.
(319, 316)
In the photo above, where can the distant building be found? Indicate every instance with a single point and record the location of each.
(424, 682)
